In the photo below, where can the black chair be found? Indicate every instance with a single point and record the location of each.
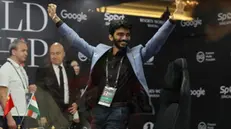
(175, 98)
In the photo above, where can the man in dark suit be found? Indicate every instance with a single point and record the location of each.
(55, 79)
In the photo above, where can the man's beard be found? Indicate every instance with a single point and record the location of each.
(117, 43)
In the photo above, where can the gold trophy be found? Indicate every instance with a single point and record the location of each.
(184, 9)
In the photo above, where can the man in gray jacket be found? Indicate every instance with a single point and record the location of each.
(116, 73)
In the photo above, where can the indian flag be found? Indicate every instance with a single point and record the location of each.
(33, 110)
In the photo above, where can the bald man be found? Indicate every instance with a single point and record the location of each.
(55, 79)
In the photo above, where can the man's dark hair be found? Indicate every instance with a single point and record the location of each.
(116, 24)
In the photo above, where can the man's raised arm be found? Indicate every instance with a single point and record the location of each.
(72, 37)
(154, 45)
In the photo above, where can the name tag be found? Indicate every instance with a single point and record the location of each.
(107, 96)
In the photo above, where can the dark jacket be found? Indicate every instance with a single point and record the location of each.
(46, 79)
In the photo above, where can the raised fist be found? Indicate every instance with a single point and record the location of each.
(51, 10)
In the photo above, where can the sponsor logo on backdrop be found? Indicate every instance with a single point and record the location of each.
(224, 18)
(203, 125)
(73, 16)
(225, 92)
(205, 57)
(150, 61)
(148, 125)
(152, 23)
(193, 23)
(82, 57)
(109, 17)
(154, 93)
(198, 92)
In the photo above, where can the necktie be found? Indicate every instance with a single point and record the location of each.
(61, 81)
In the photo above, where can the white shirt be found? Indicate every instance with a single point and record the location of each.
(17, 86)
(66, 89)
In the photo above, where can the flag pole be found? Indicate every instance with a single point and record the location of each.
(27, 108)
(17, 110)
(18, 117)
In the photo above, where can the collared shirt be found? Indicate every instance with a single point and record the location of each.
(127, 79)
(66, 90)
(17, 84)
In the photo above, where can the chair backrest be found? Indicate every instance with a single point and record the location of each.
(175, 98)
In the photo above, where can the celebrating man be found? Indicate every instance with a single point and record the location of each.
(116, 69)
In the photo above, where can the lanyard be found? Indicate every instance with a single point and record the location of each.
(118, 73)
(24, 86)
